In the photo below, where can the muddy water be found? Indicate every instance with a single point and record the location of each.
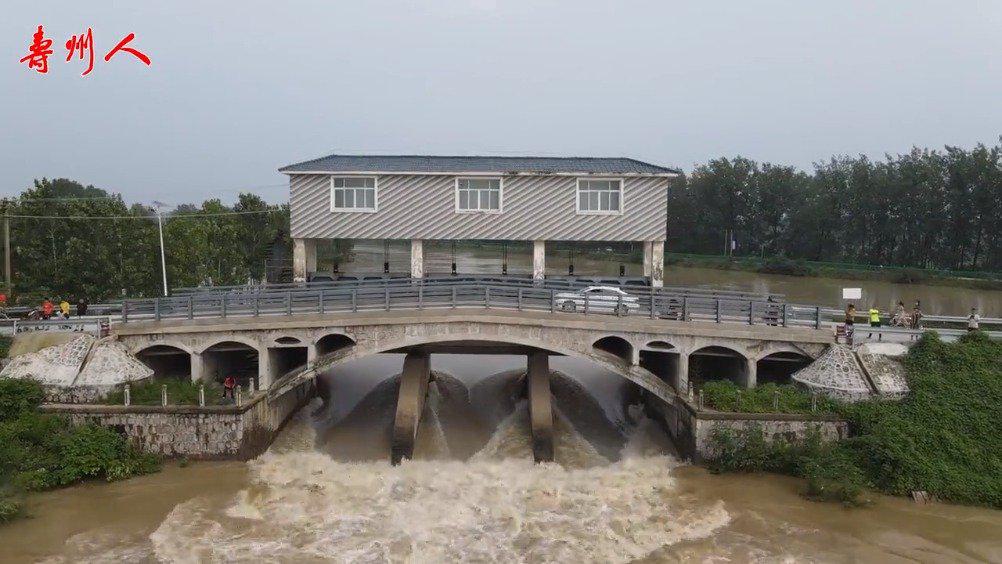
(368, 257)
(617, 493)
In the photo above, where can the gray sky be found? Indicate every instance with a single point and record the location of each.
(237, 89)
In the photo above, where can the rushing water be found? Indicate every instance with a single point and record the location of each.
(616, 493)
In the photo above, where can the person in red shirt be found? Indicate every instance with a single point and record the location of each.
(47, 308)
(229, 385)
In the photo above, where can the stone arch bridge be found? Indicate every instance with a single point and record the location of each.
(653, 353)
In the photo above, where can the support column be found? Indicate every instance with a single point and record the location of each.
(410, 403)
(312, 352)
(198, 371)
(647, 259)
(304, 259)
(680, 380)
(538, 261)
(657, 264)
(751, 373)
(540, 406)
(266, 367)
(417, 258)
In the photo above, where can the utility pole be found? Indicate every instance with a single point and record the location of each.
(163, 253)
(8, 275)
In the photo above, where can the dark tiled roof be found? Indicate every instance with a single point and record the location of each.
(421, 163)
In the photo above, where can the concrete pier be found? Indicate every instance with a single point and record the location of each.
(410, 403)
(540, 406)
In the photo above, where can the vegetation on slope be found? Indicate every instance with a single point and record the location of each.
(943, 438)
(41, 451)
(179, 392)
(724, 395)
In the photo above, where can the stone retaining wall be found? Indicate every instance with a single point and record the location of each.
(211, 432)
(692, 430)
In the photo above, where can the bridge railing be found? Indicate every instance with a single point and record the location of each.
(646, 302)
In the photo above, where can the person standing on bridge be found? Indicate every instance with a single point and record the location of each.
(64, 308)
(229, 387)
(874, 318)
(973, 320)
(850, 323)
(47, 308)
(917, 315)
(82, 307)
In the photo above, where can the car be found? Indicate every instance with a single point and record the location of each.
(605, 299)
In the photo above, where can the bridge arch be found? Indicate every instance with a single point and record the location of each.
(777, 367)
(717, 362)
(166, 360)
(332, 342)
(230, 338)
(613, 363)
(232, 356)
(615, 345)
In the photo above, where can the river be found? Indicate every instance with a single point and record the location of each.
(617, 493)
(488, 258)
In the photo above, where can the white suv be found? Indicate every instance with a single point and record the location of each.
(607, 299)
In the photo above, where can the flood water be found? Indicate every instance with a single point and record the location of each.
(325, 491)
(602, 259)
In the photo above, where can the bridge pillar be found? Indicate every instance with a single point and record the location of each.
(304, 258)
(680, 380)
(657, 264)
(539, 260)
(750, 376)
(265, 368)
(540, 406)
(312, 352)
(410, 403)
(417, 258)
(198, 372)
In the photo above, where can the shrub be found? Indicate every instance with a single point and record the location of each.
(18, 396)
(783, 265)
(5, 343)
(724, 395)
(179, 392)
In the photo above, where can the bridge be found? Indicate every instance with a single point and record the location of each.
(292, 335)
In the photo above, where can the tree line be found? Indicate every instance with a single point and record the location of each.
(113, 249)
(926, 209)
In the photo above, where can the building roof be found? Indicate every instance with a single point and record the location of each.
(480, 164)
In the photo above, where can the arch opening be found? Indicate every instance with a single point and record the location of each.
(231, 358)
(660, 346)
(717, 363)
(281, 360)
(777, 368)
(287, 341)
(333, 342)
(615, 345)
(166, 361)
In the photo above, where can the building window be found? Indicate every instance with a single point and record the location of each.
(353, 193)
(600, 196)
(478, 195)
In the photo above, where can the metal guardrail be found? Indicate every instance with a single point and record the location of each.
(97, 326)
(650, 302)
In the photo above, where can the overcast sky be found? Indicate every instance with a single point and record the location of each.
(238, 89)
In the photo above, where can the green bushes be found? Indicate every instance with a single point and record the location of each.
(179, 392)
(5, 343)
(40, 451)
(943, 438)
(724, 395)
(783, 265)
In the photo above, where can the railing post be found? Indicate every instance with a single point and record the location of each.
(191, 307)
(717, 301)
(240, 396)
(518, 304)
(685, 308)
(354, 299)
(156, 308)
(653, 308)
(785, 315)
(386, 290)
(201, 395)
(487, 297)
(125, 311)
(257, 304)
(127, 395)
(817, 317)
(586, 304)
(163, 395)
(751, 312)
(420, 297)
(288, 303)
(453, 297)
(320, 302)
(553, 300)
(223, 305)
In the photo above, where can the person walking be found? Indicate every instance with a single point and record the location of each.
(898, 320)
(917, 315)
(229, 387)
(973, 320)
(47, 308)
(874, 319)
(850, 323)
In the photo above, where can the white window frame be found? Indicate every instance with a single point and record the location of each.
(500, 193)
(622, 196)
(355, 209)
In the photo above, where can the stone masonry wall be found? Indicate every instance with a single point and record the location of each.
(212, 432)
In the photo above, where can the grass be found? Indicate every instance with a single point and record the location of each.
(5, 343)
(179, 392)
(943, 438)
(724, 395)
(43, 451)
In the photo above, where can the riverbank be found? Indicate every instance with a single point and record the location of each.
(941, 439)
(815, 269)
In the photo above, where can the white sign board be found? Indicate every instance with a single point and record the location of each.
(852, 293)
